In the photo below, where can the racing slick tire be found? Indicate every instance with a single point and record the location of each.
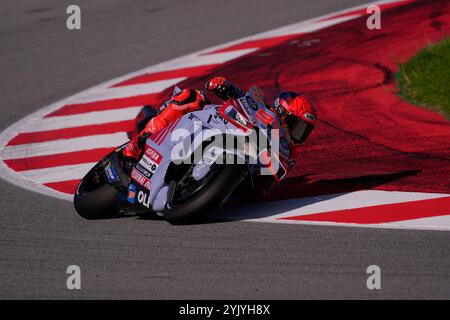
(212, 195)
(97, 204)
(95, 200)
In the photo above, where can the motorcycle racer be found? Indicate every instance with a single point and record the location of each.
(126, 180)
(296, 113)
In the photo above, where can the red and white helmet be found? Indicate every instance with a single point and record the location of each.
(297, 114)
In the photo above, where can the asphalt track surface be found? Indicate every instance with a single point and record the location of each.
(41, 62)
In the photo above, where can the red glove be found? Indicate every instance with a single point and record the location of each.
(219, 86)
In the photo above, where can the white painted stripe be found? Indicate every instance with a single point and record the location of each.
(297, 27)
(196, 59)
(357, 199)
(437, 223)
(63, 146)
(58, 174)
(419, 225)
(307, 27)
(272, 211)
(105, 91)
(78, 120)
(124, 92)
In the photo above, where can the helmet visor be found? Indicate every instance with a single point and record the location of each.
(298, 128)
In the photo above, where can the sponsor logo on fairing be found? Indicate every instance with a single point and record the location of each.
(252, 103)
(239, 118)
(111, 174)
(144, 199)
(244, 104)
(216, 118)
(153, 154)
(143, 170)
(150, 160)
(148, 165)
(141, 179)
(193, 117)
(131, 193)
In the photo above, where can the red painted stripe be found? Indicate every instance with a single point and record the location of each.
(61, 159)
(119, 103)
(162, 137)
(164, 75)
(364, 11)
(260, 43)
(174, 124)
(156, 136)
(68, 187)
(162, 134)
(169, 129)
(96, 129)
(383, 213)
(269, 42)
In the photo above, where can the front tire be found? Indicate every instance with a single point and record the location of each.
(94, 198)
(212, 195)
(98, 204)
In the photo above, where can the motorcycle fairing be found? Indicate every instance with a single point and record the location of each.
(166, 144)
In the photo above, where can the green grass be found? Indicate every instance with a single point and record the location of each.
(425, 79)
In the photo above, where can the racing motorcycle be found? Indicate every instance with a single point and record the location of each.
(190, 167)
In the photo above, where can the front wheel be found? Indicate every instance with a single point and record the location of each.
(94, 198)
(192, 204)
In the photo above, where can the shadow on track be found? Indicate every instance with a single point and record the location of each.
(299, 192)
(295, 193)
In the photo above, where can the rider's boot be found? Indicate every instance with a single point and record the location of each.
(133, 150)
